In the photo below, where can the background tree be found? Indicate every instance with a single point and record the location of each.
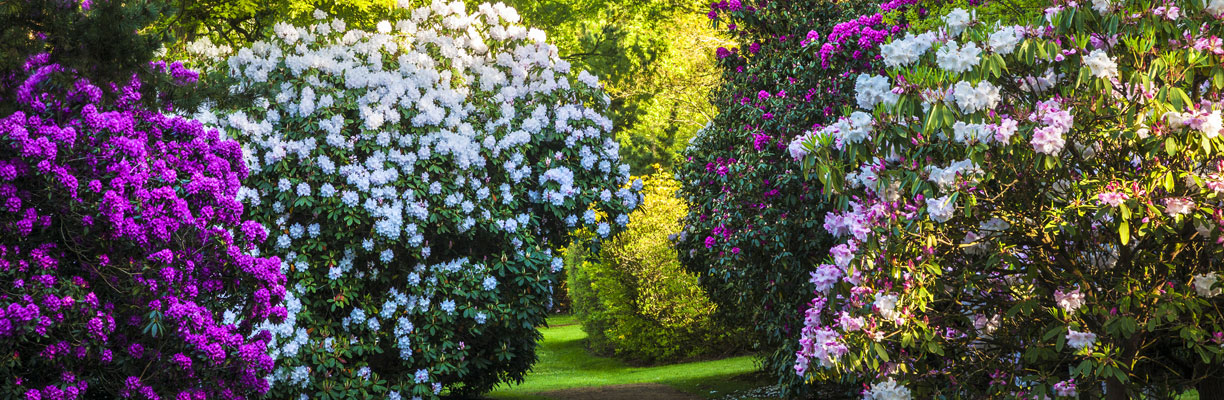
(106, 40)
(655, 59)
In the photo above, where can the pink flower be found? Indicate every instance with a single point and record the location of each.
(1069, 301)
(1065, 388)
(843, 254)
(1175, 206)
(1113, 199)
(1080, 340)
(1004, 130)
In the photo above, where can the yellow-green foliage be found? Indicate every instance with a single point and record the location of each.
(634, 299)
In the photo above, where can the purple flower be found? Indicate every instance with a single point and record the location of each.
(167, 239)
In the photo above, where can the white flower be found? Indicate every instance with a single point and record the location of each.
(587, 79)
(970, 98)
(1069, 301)
(958, 20)
(1216, 7)
(1101, 64)
(1213, 124)
(1203, 284)
(286, 32)
(907, 50)
(303, 189)
(1080, 340)
(886, 304)
(1004, 40)
(870, 90)
(887, 390)
(940, 209)
(798, 147)
(1102, 6)
(957, 59)
(1039, 84)
(946, 177)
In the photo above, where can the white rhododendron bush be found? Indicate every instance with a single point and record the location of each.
(415, 180)
(1028, 210)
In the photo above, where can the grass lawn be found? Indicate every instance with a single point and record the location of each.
(564, 363)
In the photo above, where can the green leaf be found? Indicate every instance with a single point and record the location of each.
(934, 347)
(1124, 231)
(1182, 99)
(879, 349)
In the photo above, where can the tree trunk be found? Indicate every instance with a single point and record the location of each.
(1211, 389)
(1115, 390)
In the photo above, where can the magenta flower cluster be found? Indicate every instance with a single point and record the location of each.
(860, 38)
(119, 255)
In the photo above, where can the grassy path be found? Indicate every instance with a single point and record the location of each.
(565, 364)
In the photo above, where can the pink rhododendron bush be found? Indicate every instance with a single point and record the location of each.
(122, 241)
(1028, 210)
(415, 179)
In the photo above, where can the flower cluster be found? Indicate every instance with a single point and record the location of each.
(415, 176)
(123, 243)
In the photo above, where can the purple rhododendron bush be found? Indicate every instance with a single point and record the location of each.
(121, 242)
(1028, 208)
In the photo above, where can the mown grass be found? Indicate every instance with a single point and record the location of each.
(564, 363)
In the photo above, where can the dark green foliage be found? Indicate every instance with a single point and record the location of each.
(755, 226)
(105, 41)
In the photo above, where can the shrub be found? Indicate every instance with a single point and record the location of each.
(635, 300)
(754, 224)
(1028, 211)
(416, 179)
(122, 244)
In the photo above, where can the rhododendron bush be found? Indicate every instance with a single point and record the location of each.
(1027, 210)
(415, 179)
(635, 300)
(754, 222)
(122, 243)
